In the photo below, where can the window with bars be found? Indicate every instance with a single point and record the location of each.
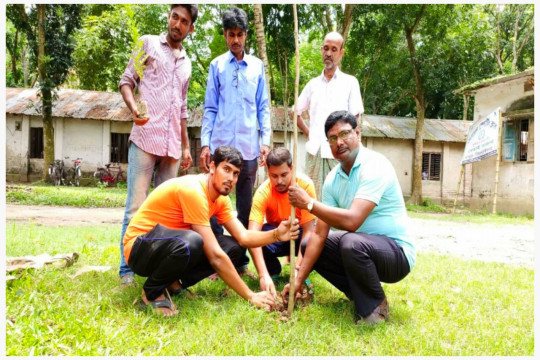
(119, 147)
(431, 166)
(36, 143)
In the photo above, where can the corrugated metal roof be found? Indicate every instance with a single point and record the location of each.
(77, 104)
(99, 105)
(404, 128)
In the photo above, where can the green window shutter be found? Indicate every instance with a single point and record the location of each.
(509, 141)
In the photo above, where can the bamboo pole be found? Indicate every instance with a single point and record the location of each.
(497, 164)
(295, 142)
(458, 187)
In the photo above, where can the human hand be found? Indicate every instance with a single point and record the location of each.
(265, 150)
(262, 300)
(287, 289)
(298, 197)
(205, 159)
(267, 285)
(286, 232)
(186, 159)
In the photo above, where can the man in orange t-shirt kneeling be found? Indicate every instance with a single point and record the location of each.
(271, 201)
(170, 239)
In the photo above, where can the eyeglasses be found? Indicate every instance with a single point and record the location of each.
(332, 140)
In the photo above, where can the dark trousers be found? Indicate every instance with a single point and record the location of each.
(356, 263)
(165, 255)
(271, 252)
(202, 269)
(244, 200)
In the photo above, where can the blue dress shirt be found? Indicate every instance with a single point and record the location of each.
(236, 105)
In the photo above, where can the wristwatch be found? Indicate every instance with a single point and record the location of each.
(310, 205)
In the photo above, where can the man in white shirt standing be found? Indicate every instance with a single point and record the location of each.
(331, 91)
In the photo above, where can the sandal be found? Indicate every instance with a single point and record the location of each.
(165, 303)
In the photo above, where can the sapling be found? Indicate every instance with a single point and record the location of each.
(139, 59)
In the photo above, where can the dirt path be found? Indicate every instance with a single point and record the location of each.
(513, 244)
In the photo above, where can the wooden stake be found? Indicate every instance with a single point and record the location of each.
(458, 186)
(295, 142)
(497, 164)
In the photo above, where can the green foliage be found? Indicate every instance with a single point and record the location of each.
(108, 37)
(67, 196)
(445, 307)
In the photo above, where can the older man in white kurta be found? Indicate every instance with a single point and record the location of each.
(331, 91)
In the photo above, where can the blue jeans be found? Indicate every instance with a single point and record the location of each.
(139, 176)
(271, 252)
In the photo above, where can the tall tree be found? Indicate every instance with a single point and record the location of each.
(419, 99)
(49, 29)
(261, 41)
(514, 27)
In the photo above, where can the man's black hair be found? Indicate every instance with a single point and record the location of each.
(193, 10)
(228, 154)
(341, 115)
(278, 156)
(235, 18)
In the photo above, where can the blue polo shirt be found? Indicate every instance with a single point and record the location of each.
(372, 178)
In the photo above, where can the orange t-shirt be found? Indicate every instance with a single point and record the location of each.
(177, 204)
(275, 205)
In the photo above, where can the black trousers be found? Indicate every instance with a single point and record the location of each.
(165, 255)
(356, 263)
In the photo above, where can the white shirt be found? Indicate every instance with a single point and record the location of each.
(323, 97)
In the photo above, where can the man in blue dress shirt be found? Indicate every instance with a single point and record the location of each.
(236, 110)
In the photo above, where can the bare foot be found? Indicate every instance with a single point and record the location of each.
(168, 308)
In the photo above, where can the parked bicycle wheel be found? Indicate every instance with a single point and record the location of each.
(98, 177)
(121, 177)
(74, 177)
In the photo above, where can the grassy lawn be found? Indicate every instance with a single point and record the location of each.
(446, 306)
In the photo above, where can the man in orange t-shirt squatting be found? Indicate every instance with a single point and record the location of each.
(271, 200)
(169, 240)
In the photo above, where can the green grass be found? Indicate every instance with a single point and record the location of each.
(86, 197)
(446, 306)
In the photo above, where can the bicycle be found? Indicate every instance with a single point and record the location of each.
(104, 175)
(57, 172)
(75, 173)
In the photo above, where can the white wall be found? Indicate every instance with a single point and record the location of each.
(74, 138)
(516, 179)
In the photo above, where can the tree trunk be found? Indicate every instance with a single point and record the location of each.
(24, 63)
(347, 20)
(261, 45)
(498, 52)
(466, 99)
(416, 195)
(46, 96)
(13, 53)
(327, 18)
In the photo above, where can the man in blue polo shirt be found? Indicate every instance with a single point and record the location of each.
(361, 197)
